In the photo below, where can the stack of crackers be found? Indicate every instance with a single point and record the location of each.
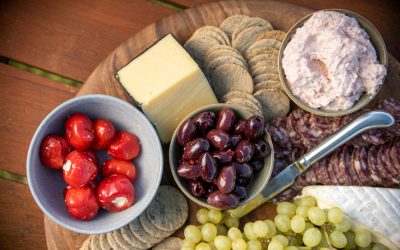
(166, 214)
(240, 59)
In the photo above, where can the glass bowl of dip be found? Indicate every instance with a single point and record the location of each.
(376, 41)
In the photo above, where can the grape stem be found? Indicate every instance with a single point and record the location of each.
(327, 239)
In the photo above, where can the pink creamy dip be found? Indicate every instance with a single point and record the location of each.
(330, 62)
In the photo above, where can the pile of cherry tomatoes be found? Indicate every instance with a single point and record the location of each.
(75, 155)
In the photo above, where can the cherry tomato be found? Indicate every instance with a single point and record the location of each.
(104, 133)
(79, 169)
(79, 131)
(53, 150)
(114, 166)
(125, 146)
(116, 193)
(92, 156)
(82, 202)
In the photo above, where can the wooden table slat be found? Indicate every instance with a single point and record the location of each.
(25, 99)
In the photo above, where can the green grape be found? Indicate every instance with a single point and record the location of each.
(365, 248)
(298, 224)
(338, 239)
(312, 237)
(260, 228)
(362, 238)
(282, 239)
(208, 232)
(212, 246)
(202, 216)
(231, 221)
(286, 208)
(316, 215)
(192, 233)
(307, 201)
(343, 226)
(234, 233)
(351, 244)
(291, 248)
(239, 244)
(222, 242)
(188, 248)
(271, 228)
(308, 226)
(254, 245)
(249, 231)
(296, 202)
(379, 246)
(275, 245)
(302, 210)
(215, 216)
(203, 246)
(335, 215)
(282, 222)
(221, 229)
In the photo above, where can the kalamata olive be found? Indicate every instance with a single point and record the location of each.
(195, 148)
(257, 165)
(243, 170)
(239, 127)
(186, 132)
(226, 120)
(223, 201)
(240, 192)
(262, 149)
(210, 188)
(226, 179)
(197, 187)
(223, 157)
(254, 127)
(218, 138)
(244, 182)
(205, 121)
(244, 151)
(188, 171)
(207, 167)
(235, 139)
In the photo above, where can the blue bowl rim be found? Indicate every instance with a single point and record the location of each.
(54, 112)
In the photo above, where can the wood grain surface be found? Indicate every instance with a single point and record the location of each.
(182, 25)
(25, 99)
(71, 37)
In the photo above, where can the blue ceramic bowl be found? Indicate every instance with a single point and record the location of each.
(47, 184)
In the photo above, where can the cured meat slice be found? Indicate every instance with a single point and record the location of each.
(331, 168)
(358, 142)
(291, 125)
(296, 154)
(360, 164)
(377, 175)
(393, 107)
(352, 171)
(342, 174)
(285, 195)
(310, 177)
(395, 154)
(377, 136)
(281, 152)
(279, 133)
(383, 163)
(322, 172)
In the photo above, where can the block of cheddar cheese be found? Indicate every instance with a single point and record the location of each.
(167, 83)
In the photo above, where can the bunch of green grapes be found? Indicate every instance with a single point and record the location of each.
(298, 225)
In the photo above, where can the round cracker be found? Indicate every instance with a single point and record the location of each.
(151, 229)
(169, 209)
(243, 40)
(222, 60)
(213, 32)
(170, 243)
(230, 77)
(86, 243)
(264, 69)
(231, 23)
(273, 34)
(272, 53)
(266, 63)
(247, 104)
(265, 77)
(138, 231)
(269, 84)
(240, 94)
(132, 240)
(263, 58)
(111, 241)
(274, 103)
(223, 51)
(95, 241)
(105, 245)
(253, 21)
(266, 43)
(198, 47)
(120, 240)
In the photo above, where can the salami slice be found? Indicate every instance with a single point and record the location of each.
(377, 136)
(310, 177)
(395, 154)
(331, 168)
(360, 165)
(383, 163)
(291, 125)
(393, 107)
(285, 195)
(350, 168)
(378, 176)
(358, 142)
(343, 175)
(281, 152)
(279, 133)
(322, 172)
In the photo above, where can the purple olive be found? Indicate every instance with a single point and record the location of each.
(244, 151)
(205, 121)
(197, 187)
(208, 167)
(226, 120)
(257, 165)
(240, 192)
(188, 171)
(239, 127)
(235, 139)
(226, 179)
(262, 149)
(244, 182)
(243, 170)
(218, 138)
(223, 157)
(223, 201)
(254, 127)
(195, 148)
(186, 132)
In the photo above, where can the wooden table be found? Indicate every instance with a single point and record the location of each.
(48, 48)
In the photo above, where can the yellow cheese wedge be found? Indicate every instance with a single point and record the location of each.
(167, 83)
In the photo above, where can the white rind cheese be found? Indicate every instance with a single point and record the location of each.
(378, 209)
(167, 83)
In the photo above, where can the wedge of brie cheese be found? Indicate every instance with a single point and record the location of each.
(377, 209)
(167, 83)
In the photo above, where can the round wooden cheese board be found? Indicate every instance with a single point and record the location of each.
(102, 80)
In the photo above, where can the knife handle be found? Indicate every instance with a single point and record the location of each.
(372, 119)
